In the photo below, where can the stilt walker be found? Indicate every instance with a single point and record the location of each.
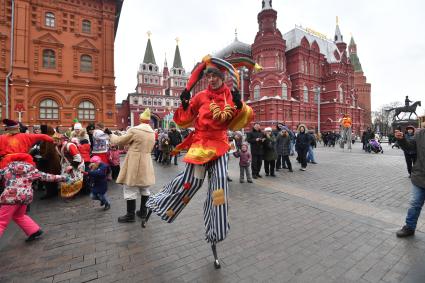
(346, 124)
(211, 112)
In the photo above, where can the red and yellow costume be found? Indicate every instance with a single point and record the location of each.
(18, 143)
(209, 140)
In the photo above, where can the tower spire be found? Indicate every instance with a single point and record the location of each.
(177, 58)
(149, 56)
(267, 4)
(338, 36)
(165, 61)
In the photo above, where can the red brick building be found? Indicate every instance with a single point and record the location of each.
(156, 89)
(300, 68)
(61, 63)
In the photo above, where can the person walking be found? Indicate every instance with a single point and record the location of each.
(137, 173)
(270, 154)
(417, 177)
(302, 143)
(244, 163)
(410, 154)
(256, 139)
(98, 172)
(175, 139)
(283, 144)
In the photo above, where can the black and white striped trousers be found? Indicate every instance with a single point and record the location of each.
(174, 197)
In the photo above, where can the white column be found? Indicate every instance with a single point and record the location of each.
(131, 119)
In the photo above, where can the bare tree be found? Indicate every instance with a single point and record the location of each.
(382, 118)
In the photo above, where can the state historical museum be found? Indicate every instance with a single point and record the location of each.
(305, 76)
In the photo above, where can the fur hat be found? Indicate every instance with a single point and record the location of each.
(10, 124)
(78, 126)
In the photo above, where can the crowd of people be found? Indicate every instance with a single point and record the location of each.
(83, 160)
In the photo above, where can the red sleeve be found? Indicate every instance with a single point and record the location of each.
(184, 118)
(33, 138)
(73, 150)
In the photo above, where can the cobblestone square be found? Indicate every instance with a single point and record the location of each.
(336, 222)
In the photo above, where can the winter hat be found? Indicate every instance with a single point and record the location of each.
(10, 124)
(78, 126)
(268, 129)
(95, 159)
(146, 115)
(212, 69)
(36, 127)
(74, 141)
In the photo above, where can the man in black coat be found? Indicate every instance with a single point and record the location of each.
(175, 139)
(256, 139)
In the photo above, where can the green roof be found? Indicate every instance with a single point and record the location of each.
(149, 56)
(356, 63)
(177, 59)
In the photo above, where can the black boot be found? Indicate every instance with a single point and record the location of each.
(143, 209)
(405, 232)
(130, 216)
(216, 262)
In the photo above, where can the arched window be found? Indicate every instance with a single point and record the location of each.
(175, 103)
(86, 26)
(341, 94)
(86, 111)
(49, 109)
(257, 92)
(49, 59)
(284, 91)
(86, 64)
(150, 101)
(49, 20)
(167, 102)
(305, 93)
(145, 101)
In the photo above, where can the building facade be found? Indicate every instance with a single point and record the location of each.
(57, 61)
(306, 79)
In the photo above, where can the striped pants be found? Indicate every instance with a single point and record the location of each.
(177, 194)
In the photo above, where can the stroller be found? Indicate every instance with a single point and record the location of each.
(374, 146)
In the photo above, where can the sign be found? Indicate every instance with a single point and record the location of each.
(19, 107)
(316, 33)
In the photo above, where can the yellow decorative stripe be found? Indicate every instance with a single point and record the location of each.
(186, 200)
(243, 118)
(218, 197)
(170, 213)
(185, 124)
(201, 154)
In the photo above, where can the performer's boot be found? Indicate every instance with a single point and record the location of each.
(216, 262)
(143, 209)
(130, 216)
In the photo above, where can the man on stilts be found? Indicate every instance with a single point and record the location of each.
(346, 124)
(211, 112)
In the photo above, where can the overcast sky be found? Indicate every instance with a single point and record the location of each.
(389, 35)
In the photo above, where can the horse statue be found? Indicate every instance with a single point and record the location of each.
(408, 109)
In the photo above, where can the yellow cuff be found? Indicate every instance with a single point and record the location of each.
(242, 119)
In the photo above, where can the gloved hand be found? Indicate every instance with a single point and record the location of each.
(107, 131)
(237, 98)
(185, 97)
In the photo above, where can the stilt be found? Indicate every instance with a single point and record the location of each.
(145, 220)
(216, 262)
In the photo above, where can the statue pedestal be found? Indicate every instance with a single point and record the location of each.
(402, 124)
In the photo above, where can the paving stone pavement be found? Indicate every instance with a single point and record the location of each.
(333, 223)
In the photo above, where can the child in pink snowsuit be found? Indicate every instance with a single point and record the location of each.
(18, 176)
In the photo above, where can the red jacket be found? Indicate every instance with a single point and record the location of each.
(85, 151)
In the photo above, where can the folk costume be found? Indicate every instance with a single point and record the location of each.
(346, 124)
(72, 165)
(136, 173)
(212, 112)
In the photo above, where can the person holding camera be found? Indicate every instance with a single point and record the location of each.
(418, 180)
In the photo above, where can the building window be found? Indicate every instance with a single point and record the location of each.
(86, 27)
(257, 92)
(85, 64)
(150, 101)
(50, 20)
(49, 109)
(145, 101)
(316, 95)
(284, 91)
(175, 103)
(305, 92)
(145, 80)
(167, 103)
(341, 95)
(86, 111)
(49, 59)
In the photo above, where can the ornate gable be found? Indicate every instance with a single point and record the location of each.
(86, 46)
(48, 40)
